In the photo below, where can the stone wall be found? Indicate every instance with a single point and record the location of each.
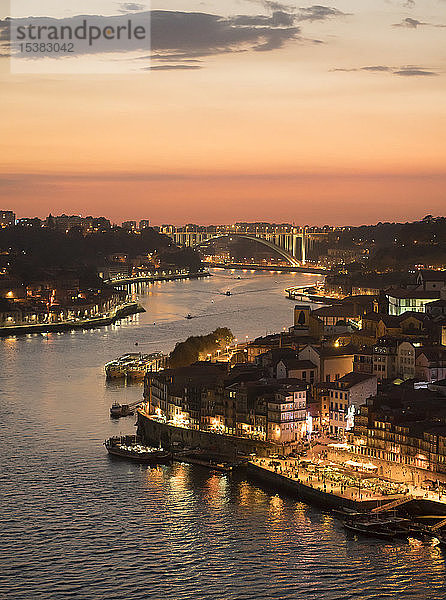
(155, 432)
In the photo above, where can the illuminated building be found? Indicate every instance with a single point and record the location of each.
(7, 218)
(402, 428)
(345, 397)
(287, 415)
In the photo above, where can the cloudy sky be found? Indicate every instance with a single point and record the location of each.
(245, 110)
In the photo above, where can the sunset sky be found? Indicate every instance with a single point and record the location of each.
(251, 110)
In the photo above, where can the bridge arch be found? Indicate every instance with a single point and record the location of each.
(283, 253)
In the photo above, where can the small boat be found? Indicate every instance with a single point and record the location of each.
(120, 410)
(130, 448)
(222, 467)
(196, 458)
(370, 529)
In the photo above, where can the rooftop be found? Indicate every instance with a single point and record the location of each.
(336, 310)
(415, 294)
(362, 299)
(432, 275)
(347, 350)
(351, 379)
(296, 364)
(437, 303)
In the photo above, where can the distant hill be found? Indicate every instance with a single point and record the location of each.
(396, 245)
(30, 251)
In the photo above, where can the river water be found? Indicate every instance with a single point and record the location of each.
(78, 524)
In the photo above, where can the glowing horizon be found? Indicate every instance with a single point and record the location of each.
(335, 115)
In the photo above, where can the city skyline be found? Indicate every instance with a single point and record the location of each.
(309, 114)
(141, 222)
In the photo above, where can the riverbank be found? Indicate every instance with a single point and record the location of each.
(283, 269)
(154, 278)
(120, 312)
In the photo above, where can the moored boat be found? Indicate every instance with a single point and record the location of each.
(387, 526)
(197, 458)
(129, 447)
(134, 365)
(120, 410)
(370, 529)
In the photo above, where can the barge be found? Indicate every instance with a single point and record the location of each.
(202, 460)
(129, 447)
(134, 365)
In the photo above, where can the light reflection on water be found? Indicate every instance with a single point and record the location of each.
(78, 524)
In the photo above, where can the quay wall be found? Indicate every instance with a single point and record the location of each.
(415, 507)
(153, 278)
(153, 432)
(125, 310)
(306, 492)
(284, 268)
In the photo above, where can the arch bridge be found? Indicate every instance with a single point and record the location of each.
(292, 243)
(294, 262)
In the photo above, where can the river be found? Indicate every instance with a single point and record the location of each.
(78, 524)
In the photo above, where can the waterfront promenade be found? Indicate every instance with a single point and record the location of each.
(343, 482)
(119, 312)
(152, 278)
(310, 270)
(325, 483)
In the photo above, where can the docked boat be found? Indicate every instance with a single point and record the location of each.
(199, 459)
(386, 526)
(134, 365)
(120, 410)
(370, 529)
(129, 447)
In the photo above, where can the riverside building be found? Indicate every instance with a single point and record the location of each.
(403, 431)
(239, 401)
